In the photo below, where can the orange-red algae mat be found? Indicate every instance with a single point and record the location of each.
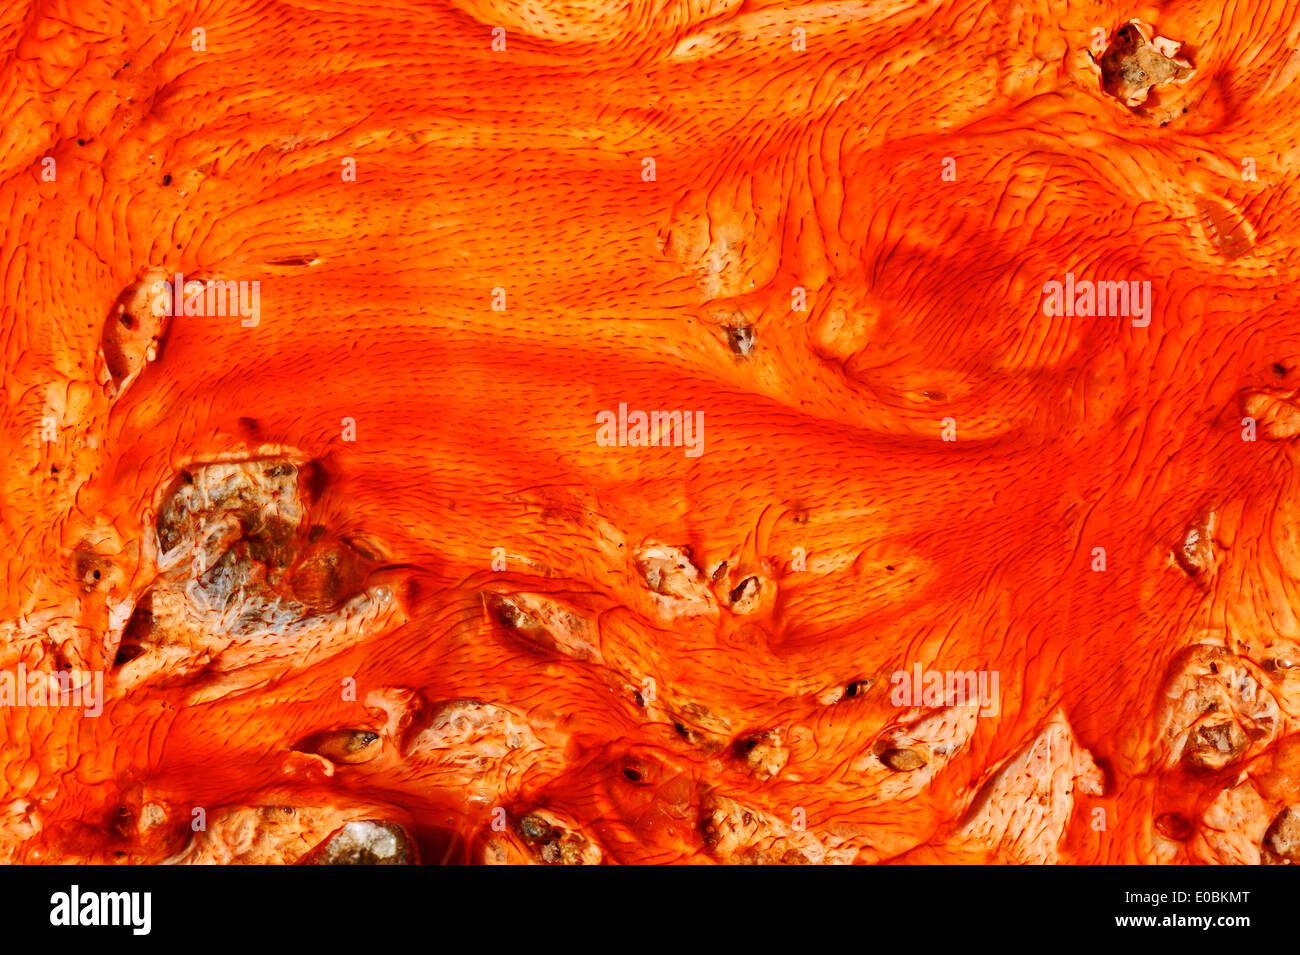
(649, 432)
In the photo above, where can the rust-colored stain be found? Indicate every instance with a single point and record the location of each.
(705, 432)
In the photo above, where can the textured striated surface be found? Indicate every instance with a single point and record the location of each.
(377, 561)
